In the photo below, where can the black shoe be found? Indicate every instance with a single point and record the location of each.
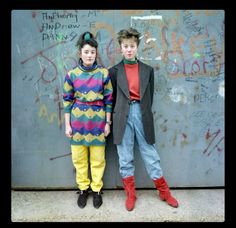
(82, 199)
(97, 199)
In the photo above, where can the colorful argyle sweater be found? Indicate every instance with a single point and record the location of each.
(87, 96)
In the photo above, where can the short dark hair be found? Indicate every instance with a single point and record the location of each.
(86, 38)
(127, 34)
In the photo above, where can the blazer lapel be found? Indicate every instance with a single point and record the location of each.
(143, 78)
(122, 80)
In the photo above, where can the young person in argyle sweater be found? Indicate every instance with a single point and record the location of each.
(132, 117)
(87, 100)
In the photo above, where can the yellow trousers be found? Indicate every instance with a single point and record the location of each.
(82, 158)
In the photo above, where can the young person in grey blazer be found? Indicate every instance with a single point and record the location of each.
(132, 117)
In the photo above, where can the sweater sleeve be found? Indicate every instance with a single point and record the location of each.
(68, 94)
(107, 92)
(113, 82)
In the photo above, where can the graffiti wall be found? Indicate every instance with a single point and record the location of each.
(186, 49)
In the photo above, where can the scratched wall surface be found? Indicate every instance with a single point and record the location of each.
(186, 49)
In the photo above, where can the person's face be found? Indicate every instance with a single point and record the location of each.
(129, 48)
(88, 55)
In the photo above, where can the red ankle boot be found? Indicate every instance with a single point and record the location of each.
(164, 191)
(129, 186)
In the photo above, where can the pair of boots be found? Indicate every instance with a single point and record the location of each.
(83, 196)
(160, 184)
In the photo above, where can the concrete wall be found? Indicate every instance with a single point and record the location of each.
(186, 49)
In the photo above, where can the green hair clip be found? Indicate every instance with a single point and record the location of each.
(87, 36)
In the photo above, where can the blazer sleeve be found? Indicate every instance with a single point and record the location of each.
(152, 84)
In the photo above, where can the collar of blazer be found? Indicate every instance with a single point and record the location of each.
(144, 76)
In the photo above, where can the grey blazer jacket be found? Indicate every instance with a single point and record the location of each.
(121, 100)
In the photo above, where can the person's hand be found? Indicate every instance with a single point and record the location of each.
(68, 131)
(107, 130)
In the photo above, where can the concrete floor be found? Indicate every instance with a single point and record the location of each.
(61, 206)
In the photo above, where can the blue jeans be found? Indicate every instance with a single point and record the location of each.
(134, 130)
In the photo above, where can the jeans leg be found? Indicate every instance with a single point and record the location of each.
(125, 151)
(148, 152)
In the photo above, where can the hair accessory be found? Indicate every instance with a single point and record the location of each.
(87, 36)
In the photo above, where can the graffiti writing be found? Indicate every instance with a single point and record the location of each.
(216, 142)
